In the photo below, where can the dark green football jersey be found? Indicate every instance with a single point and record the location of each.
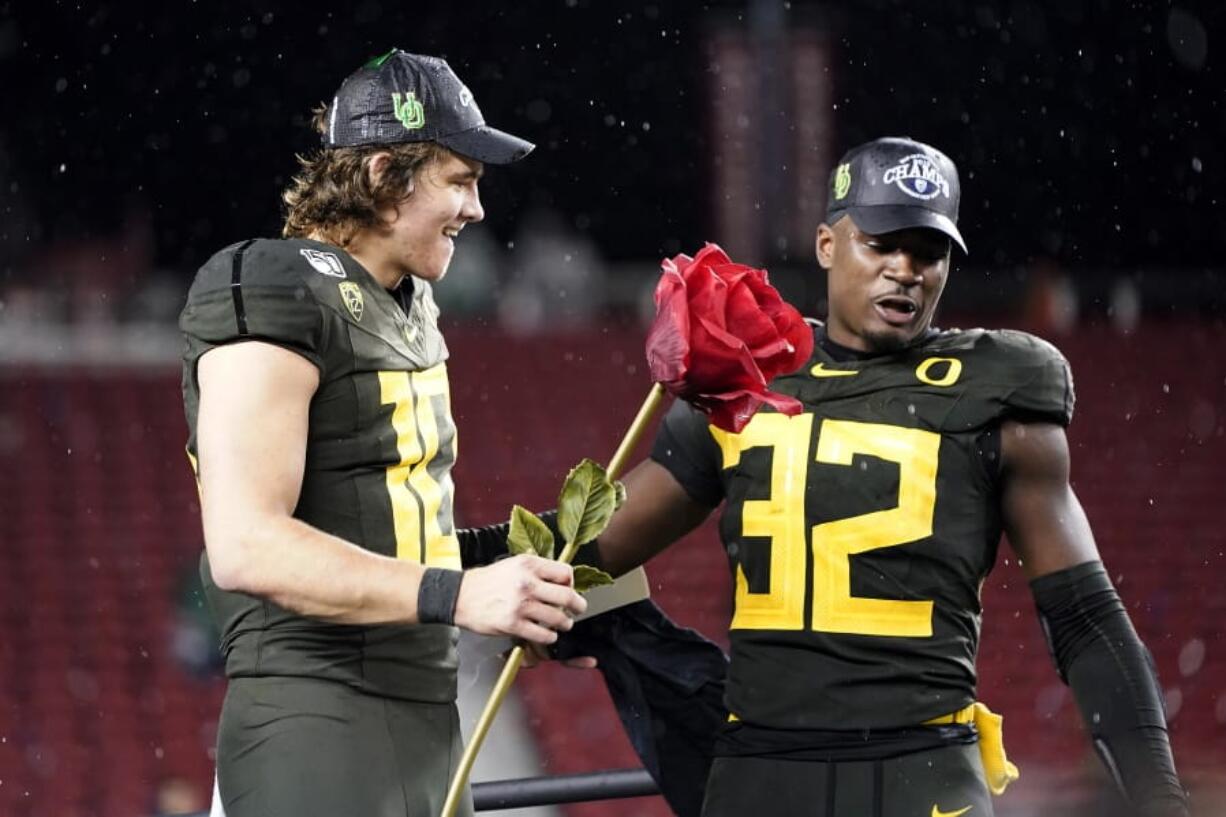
(860, 531)
(380, 448)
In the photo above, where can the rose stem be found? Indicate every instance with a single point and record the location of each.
(642, 420)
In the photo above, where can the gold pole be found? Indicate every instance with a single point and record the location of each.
(460, 780)
(641, 420)
(647, 411)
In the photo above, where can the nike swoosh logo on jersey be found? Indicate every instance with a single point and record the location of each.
(936, 812)
(820, 370)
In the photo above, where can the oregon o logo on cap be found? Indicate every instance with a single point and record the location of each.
(842, 180)
(918, 176)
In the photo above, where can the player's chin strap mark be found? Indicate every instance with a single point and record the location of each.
(236, 287)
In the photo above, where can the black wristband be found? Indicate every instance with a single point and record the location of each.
(437, 595)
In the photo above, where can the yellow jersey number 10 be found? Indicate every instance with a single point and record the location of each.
(419, 501)
(781, 519)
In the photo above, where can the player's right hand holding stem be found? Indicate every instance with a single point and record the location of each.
(524, 597)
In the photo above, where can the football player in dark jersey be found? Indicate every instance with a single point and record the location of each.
(317, 401)
(859, 533)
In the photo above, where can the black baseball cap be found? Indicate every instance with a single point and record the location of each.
(895, 183)
(401, 97)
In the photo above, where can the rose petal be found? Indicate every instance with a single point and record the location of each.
(782, 403)
(746, 317)
(726, 360)
(668, 342)
(711, 255)
(733, 411)
(799, 335)
(707, 294)
(679, 263)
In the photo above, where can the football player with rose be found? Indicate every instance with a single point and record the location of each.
(862, 510)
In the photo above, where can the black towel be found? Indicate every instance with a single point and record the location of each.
(667, 683)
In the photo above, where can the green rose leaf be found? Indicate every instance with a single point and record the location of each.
(529, 534)
(587, 577)
(620, 498)
(586, 503)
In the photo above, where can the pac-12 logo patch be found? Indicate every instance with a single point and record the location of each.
(917, 176)
(352, 296)
(325, 263)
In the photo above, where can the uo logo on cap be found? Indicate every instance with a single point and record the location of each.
(917, 176)
(842, 181)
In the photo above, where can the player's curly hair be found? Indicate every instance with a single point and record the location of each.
(332, 197)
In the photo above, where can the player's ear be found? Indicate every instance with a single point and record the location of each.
(376, 167)
(825, 245)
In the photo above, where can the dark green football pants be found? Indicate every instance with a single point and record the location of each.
(935, 783)
(308, 748)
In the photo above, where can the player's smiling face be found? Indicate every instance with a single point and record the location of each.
(423, 227)
(883, 289)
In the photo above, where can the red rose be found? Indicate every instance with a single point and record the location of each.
(721, 334)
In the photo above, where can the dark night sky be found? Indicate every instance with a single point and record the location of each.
(1086, 130)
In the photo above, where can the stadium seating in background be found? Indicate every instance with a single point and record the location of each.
(99, 525)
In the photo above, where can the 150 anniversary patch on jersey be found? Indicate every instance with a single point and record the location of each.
(325, 263)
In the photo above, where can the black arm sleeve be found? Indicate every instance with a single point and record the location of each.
(483, 546)
(1099, 655)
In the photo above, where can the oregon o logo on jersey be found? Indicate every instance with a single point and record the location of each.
(924, 371)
